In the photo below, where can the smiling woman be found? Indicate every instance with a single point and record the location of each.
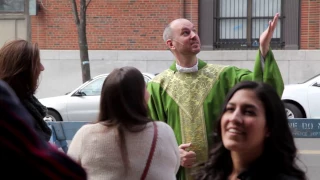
(253, 139)
(243, 124)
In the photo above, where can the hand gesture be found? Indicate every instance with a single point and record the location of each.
(187, 158)
(266, 36)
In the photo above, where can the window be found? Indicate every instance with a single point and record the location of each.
(239, 23)
(11, 6)
(93, 88)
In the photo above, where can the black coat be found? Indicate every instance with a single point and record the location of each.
(262, 169)
(249, 176)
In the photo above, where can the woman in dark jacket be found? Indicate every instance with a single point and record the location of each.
(253, 140)
(20, 67)
(23, 152)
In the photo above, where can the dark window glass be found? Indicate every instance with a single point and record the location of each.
(11, 6)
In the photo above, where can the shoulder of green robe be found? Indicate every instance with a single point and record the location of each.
(162, 77)
(214, 68)
(234, 69)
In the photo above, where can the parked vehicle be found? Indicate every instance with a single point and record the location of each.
(303, 100)
(82, 104)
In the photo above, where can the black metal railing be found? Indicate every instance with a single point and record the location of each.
(241, 44)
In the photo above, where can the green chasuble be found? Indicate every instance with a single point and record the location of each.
(190, 102)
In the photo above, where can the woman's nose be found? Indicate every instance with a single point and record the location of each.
(41, 67)
(236, 117)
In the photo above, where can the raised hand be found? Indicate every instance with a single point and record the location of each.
(265, 37)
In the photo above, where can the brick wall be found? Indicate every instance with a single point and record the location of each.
(310, 24)
(135, 24)
(112, 24)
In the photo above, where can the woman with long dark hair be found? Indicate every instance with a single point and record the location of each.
(124, 143)
(20, 67)
(253, 140)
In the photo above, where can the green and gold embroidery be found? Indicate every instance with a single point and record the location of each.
(189, 91)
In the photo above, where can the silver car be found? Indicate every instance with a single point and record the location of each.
(82, 104)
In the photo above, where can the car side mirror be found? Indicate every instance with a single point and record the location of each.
(316, 84)
(79, 93)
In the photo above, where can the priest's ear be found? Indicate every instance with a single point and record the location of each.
(169, 44)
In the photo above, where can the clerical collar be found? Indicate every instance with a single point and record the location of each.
(187, 70)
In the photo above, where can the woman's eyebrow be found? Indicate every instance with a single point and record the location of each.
(250, 106)
(246, 105)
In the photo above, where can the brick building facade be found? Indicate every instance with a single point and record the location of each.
(115, 24)
(310, 24)
(138, 24)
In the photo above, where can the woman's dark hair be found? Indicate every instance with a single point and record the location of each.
(20, 66)
(122, 104)
(279, 154)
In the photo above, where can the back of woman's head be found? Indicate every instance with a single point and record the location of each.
(123, 98)
(279, 148)
(20, 66)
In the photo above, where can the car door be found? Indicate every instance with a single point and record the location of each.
(84, 104)
(314, 98)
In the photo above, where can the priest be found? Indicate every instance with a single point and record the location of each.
(188, 96)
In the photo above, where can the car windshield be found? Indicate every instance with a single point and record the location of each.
(310, 79)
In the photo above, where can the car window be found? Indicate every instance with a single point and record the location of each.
(94, 87)
(146, 78)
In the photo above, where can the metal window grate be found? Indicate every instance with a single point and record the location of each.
(239, 23)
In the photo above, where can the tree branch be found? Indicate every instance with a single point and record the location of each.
(75, 12)
(87, 4)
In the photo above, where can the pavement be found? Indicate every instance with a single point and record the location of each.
(309, 156)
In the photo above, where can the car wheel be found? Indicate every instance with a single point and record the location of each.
(53, 116)
(292, 111)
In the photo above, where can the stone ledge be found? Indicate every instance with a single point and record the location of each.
(138, 55)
